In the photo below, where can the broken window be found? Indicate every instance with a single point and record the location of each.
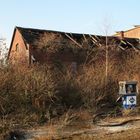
(17, 47)
(74, 67)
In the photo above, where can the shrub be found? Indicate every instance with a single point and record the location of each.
(96, 92)
(69, 92)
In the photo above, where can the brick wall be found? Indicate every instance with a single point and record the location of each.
(23, 55)
(132, 33)
(19, 52)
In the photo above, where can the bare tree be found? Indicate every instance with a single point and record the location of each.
(3, 51)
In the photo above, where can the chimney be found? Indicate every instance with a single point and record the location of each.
(122, 34)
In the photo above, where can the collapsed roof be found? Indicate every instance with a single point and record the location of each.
(32, 35)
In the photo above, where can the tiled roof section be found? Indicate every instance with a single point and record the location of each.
(31, 35)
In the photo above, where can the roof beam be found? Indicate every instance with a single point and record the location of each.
(79, 45)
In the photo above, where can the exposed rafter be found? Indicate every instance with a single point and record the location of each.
(79, 45)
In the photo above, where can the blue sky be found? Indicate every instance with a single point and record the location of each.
(82, 16)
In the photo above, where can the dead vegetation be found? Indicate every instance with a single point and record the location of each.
(40, 93)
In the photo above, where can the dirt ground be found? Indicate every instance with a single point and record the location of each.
(107, 129)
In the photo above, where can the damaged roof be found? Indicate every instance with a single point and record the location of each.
(31, 35)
